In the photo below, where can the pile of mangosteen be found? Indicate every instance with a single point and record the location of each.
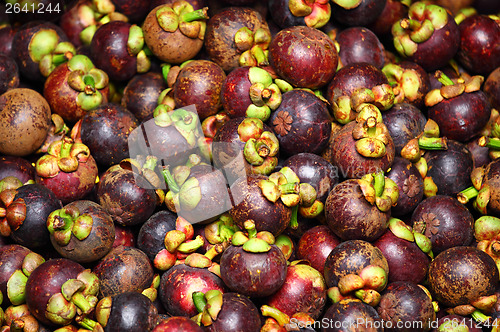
(249, 165)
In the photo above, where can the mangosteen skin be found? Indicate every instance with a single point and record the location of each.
(105, 130)
(151, 237)
(40, 202)
(178, 284)
(131, 311)
(251, 204)
(445, 221)
(404, 122)
(238, 314)
(349, 312)
(123, 269)
(253, 274)
(351, 257)
(364, 14)
(450, 168)
(302, 123)
(315, 245)
(460, 275)
(9, 73)
(492, 88)
(410, 185)
(11, 256)
(407, 262)
(406, 302)
(18, 167)
(359, 44)
(178, 324)
(303, 56)
(351, 217)
(141, 93)
(24, 121)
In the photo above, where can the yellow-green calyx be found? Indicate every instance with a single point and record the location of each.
(370, 133)
(253, 45)
(63, 155)
(346, 108)
(16, 284)
(65, 223)
(379, 190)
(452, 88)
(208, 305)
(181, 15)
(264, 93)
(87, 80)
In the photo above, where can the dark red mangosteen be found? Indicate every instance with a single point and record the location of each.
(359, 44)
(253, 266)
(479, 50)
(76, 87)
(237, 36)
(105, 131)
(124, 236)
(404, 305)
(9, 73)
(140, 95)
(174, 31)
(352, 312)
(464, 279)
(408, 253)
(68, 170)
(288, 13)
(354, 209)
(81, 231)
(27, 209)
(135, 11)
(199, 83)
(445, 221)
(393, 11)
(492, 88)
(304, 291)
(251, 92)
(302, 123)
(61, 291)
(358, 268)
(429, 36)
(125, 312)
(123, 269)
(182, 281)
(315, 245)
(313, 61)
(118, 48)
(38, 48)
(18, 263)
(228, 312)
(357, 12)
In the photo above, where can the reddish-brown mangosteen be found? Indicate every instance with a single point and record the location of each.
(174, 31)
(237, 36)
(492, 88)
(349, 312)
(393, 11)
(123, 269)
(81, 231)
(200, 83)
(24, 121)
(17, 167)
(177, 324)
(313, 61)
(357, 12)
(410, 185)
(359, 44)
(405, 305)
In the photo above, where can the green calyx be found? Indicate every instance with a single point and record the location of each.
(379, 190)
(181, 15)
(63, 155)
(208, 305)
(265, 94)
(370, 133)
(64, 223)
(62, 53)
(42, 43)
(253, 46)
(88, 80)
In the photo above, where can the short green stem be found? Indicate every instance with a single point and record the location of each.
(480, 317)
(172, 185)
(443, 78)
(432, 143)
(289, 188)
(279, 316)
(467, 194)
(490, 142)
(199, 301)
(294, 223)
(200, 14)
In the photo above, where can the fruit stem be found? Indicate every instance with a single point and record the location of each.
(200, 14)
(65, 150)
(480, 317)
(467, 194)
(87, 323)
(79, 300)
(443, 78)
(272, 312)
(199, 301)
(432, 143)
(294, 223)
(379, 183)
(490, 142)
(172, 185)
(250, 228)
(289, 188)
